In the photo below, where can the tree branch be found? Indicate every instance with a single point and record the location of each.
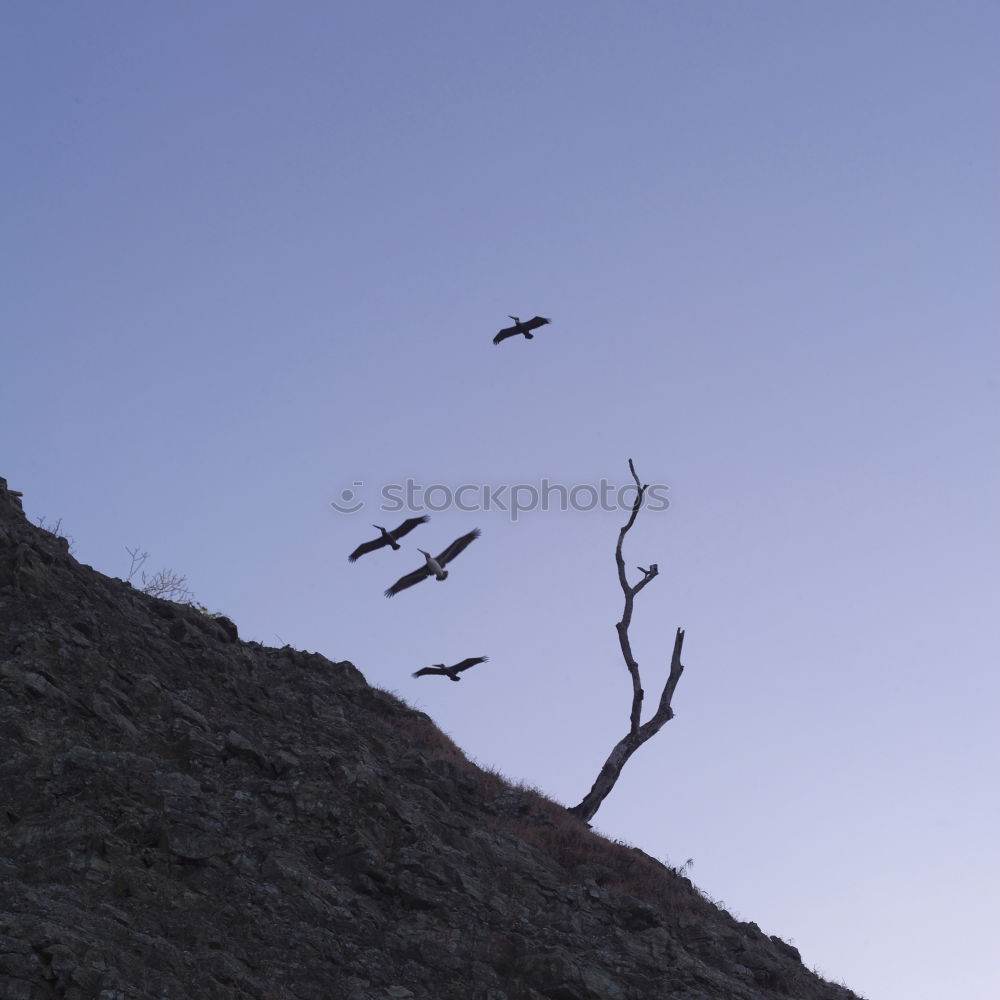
(638, 733)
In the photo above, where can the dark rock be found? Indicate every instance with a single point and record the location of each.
(183, 814)
(790, 951)
(227, 627)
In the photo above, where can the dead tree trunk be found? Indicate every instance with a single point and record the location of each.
(638, 732)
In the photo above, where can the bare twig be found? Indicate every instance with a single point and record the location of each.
(164, 583)
(138, 558)
(169, 585)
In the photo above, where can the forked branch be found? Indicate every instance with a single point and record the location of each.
(638, 731)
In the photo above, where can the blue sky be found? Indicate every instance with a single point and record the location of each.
(256, 253)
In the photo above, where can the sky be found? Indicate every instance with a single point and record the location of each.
(255, 255)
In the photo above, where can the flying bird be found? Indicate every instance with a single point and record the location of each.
(387, 537)
(526, 327)
(452, 672)
(434, 567)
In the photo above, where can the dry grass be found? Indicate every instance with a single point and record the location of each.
(547, 826)
(431, 742)
(580, 856)
(613, 865)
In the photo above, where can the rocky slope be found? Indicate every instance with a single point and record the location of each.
(185, 815)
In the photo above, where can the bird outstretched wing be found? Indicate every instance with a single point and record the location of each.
(457, 546)
(536, 322)
(507, 331)
(470, 662)
(407, 526)
(408, 581)
(366, 547)
(429, 670)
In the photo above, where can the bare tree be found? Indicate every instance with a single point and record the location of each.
(164, 583)
(638, 732)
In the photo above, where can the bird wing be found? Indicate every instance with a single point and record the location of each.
(507, 331)
(470, 662)
(408, 581)
(534, 324)
(429, 670)
(457, 546)
(407, 526)
(365, 547)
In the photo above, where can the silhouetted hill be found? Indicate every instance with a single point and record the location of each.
(184, 815)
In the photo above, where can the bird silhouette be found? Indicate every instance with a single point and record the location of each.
(387, 537)
(524, 328)
(434, 567)
(451, 672)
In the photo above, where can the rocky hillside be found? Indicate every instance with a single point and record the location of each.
(185, 815)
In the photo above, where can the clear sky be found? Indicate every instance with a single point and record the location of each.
(255, 253)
